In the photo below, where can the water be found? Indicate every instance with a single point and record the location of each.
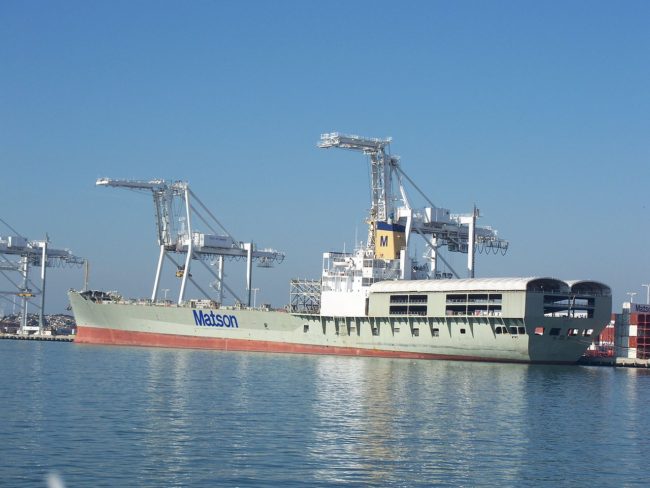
(112, 416)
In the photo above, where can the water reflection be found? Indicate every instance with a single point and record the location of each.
(164, 414)
(386, 419)
(158, 417)
(340, 385)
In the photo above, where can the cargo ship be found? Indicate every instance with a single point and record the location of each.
(378, 300)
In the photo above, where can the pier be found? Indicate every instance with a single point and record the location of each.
(615, 362)
(37, 337)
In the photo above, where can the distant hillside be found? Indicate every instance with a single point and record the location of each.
(59, 324)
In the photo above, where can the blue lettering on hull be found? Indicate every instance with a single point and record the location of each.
(214, 319)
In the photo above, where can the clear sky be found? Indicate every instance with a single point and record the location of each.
(538, 112)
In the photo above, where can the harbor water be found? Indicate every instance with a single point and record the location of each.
(119, 416)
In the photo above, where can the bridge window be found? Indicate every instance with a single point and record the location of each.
(408, 305)
(417, 310)
(398, 309)
(418, 298)
(477, 304)
(555, 331)
(457, 298)
(539, 330)
(561, 305)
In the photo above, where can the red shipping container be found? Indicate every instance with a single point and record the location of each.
(607, 335)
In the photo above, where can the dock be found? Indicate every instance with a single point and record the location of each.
(615, 362)
(36, 337)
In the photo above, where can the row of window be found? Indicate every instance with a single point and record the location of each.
(474, 298)
(512, 330)
(557, 331)
(408, 298)
(435, 332)
(569, 306)
(499, 330)
(408, 310)
(475, 310)
(569, 301)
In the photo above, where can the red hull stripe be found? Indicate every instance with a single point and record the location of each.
(97, 335)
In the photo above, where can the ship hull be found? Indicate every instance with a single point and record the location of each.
(93, 335)
(279, 332)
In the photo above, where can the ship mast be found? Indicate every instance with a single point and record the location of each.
(175, 206)
(394, 215)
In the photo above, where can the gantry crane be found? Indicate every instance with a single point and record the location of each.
(30, 253)
(175, 205)
(436, 225)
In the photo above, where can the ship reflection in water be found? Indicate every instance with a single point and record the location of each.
(383, 420)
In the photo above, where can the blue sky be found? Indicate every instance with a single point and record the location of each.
(538, 112)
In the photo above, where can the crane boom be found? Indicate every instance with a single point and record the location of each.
(134, 184)
(382, 169)
(31, 253)
(175, 207)
(392, 213)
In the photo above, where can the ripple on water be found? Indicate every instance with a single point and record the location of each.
(108, 416)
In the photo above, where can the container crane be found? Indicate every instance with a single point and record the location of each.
(31, 253)
(175, 205)
(393, 211)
